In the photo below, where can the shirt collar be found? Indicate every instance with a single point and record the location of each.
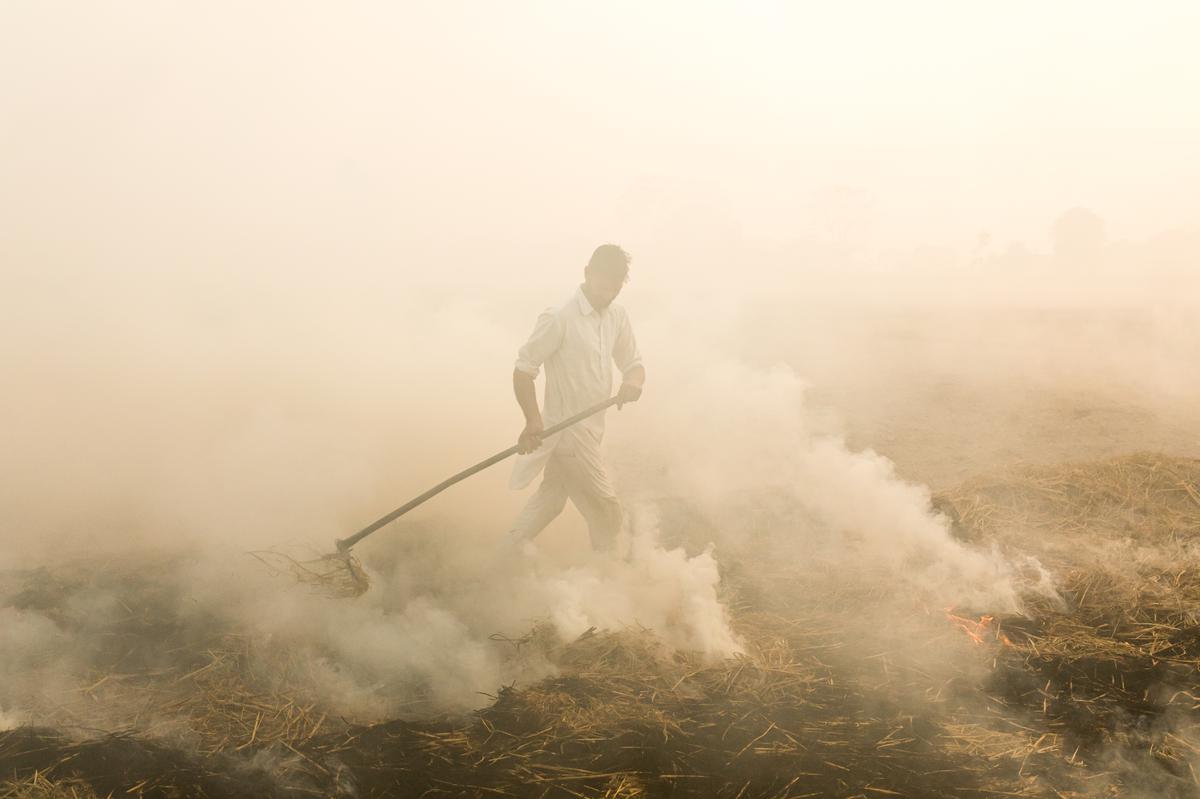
(585, 307)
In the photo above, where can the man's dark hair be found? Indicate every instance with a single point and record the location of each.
(611, 259)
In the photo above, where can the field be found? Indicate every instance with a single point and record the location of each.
(843, 688)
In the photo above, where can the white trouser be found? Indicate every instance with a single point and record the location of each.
(580, 476)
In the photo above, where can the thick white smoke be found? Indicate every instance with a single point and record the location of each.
(728, 435)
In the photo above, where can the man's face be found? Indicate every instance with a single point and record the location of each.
(603, 287)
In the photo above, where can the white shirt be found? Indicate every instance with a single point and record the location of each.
(578, 345)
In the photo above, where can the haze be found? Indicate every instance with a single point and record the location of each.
(265, 268)
(267, 264)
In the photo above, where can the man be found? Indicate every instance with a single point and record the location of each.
(578, 342)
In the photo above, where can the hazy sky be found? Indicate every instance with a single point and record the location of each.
(142, 136)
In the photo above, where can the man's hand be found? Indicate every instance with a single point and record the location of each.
(531, 437)
(629, 392)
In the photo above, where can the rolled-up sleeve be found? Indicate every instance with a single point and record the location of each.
(542, 343)
(625, 349)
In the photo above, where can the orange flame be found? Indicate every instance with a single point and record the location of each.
(978, 631)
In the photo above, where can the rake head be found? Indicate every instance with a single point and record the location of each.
(338, 574)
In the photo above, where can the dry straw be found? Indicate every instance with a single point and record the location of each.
(1089, 699)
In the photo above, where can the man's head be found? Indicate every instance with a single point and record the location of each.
(605, 275)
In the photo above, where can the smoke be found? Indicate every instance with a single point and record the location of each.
(411, 646)
(36, 665)
(295, 425)
(714, 434)
(29, 645)
(661, 589)
(734, 437)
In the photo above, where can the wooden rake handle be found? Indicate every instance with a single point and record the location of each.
(344, 544)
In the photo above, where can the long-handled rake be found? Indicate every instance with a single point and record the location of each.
(339, 573)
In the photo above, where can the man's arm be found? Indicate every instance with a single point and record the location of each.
(526, 392)
(631, 385)
(542, 343)
(629, 361)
